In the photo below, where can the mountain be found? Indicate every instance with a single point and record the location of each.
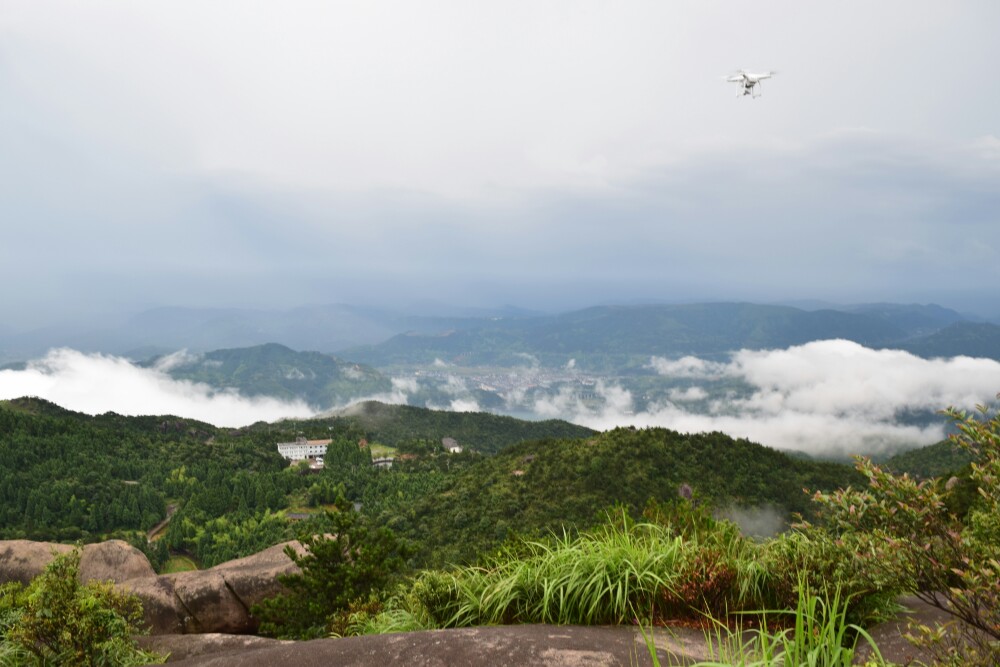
(607, 337)
(941, 458)
(66, 475)
(541, 486)
(971, 339)
(162, 330)
(914, 319)
(483, 432)
(321, 380)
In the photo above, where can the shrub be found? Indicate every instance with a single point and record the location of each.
(904, 527)
(58, 621)
(347, 564)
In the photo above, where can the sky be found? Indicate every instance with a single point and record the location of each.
(543, 154)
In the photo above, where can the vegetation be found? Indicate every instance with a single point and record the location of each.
(349, 562)
(520, 537)
(321, 380)
(610, 338)
(537, 488)
(58, 621)
(905, 526)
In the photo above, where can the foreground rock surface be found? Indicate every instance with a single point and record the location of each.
(494, 646)
(216, 600)
(517, 646)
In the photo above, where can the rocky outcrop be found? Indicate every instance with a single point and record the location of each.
(214, 600)
(115, 561)
(23, 560)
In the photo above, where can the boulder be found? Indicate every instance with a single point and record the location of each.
(255, 577)
(114, 560)
(23, 560)
(183, 647)
(162, 610)
(215, 600)
(210, 604)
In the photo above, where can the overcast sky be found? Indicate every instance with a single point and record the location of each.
(545, 154)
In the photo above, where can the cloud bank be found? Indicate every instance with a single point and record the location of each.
(830, 397)
(96, 383)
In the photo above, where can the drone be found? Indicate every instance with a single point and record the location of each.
(748, 80)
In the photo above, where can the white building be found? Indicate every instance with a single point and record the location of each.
(303, 449)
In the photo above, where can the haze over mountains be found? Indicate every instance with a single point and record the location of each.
(866, 378)
(381, 336)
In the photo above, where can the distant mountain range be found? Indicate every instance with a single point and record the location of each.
(600, 338)
(608, 337)
(321, 380)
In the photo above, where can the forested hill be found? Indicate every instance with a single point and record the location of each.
(972, 339)
(66, 475)
(550, 485)
(321, 380)
(483, 432)
(615, 336)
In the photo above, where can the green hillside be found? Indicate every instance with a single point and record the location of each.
(972, 339)
(321, 380)
(609, 337)
(66, 476)
(544, 486)
(942, 458)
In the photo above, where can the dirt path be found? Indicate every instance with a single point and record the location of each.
(155, 531)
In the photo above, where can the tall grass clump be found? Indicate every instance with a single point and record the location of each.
(601, 576)
(815, 634)
(594, 578)
(819, 635)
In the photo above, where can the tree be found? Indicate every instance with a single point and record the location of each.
(906, 525)
(58, 621)
(350, 561)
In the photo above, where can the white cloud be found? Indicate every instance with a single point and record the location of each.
(95, 384)
(168, 362)
(827, 397)
(464, 405)
(688, 367)
(688, 394)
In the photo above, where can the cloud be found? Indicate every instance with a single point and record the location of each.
(688, 367)
(94, 384)
(168, 362)
(830, 397)
(689, 394)
(464, 405)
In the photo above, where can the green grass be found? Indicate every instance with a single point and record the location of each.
(179, 564)
(378, 451)
(819, 636)
(601, 576)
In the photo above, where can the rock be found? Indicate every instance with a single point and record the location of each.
(182, 647)
(210, 604)
(255, 577)
(23, 560)
(162, 610)
(214, 600)
(114, 560)
(492, 646)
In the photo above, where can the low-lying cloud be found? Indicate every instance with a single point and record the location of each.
(828, 397)
(96, 383)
